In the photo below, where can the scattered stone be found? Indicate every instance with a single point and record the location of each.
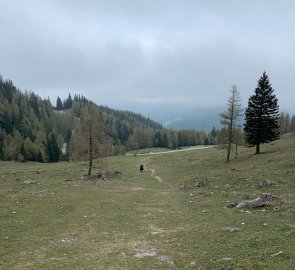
(117, 172)
(232, 204)
(29, 182)
(101, 176)
(182, 187)
(155, 229)
(277, 208)
(276, 254)
(231, 229)
(224, 260)
(201, 183)
(165, 260)
(145, 254)
(265, 183)
(93, 177)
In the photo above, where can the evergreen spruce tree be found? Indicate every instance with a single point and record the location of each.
(262, 115)
(53, 150)
(68, 102)
(59, 104)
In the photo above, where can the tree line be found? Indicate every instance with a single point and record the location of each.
(32, 129)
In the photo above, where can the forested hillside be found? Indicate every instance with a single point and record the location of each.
(32, 128)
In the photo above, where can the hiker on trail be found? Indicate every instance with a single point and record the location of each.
(141, 168)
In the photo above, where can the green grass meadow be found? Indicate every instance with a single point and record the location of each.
(157, 219)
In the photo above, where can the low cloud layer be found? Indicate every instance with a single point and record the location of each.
(130, 53)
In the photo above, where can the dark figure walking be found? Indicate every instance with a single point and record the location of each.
(141, 168)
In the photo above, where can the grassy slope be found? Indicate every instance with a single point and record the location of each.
(63, 222)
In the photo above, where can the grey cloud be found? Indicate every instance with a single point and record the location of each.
(143, 52)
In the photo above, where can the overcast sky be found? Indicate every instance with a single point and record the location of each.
(132, 53)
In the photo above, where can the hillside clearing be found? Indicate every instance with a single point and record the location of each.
(132, 221)
(155, 151)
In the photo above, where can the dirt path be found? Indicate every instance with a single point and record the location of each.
(153, 174)
(153, 171)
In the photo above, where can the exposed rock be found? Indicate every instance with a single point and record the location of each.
(276, 254)
(251, 203)
(269, 197)
(265, 183)
(145, 254)
(277, 208)
(231, 229)
(101, 176)
(29, 182)
(165, 260)
(232, 204)
(258, 202)
(117, 172)
(93, 177)
(201, 183)
(224, 260)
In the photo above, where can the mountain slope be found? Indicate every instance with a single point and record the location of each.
(199, 119)
(32, 129)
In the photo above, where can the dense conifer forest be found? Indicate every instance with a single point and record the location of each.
(31, 128)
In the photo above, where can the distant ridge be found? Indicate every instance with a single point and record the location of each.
(199, 119)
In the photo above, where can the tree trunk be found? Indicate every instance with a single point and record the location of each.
(236, 141)
(90, 150)
(229, 138)
(257, 149)
(228, 152)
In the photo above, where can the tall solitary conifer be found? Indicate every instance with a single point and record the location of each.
(262, 115)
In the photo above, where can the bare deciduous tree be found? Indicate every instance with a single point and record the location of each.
(89, 138)
(231, 115)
